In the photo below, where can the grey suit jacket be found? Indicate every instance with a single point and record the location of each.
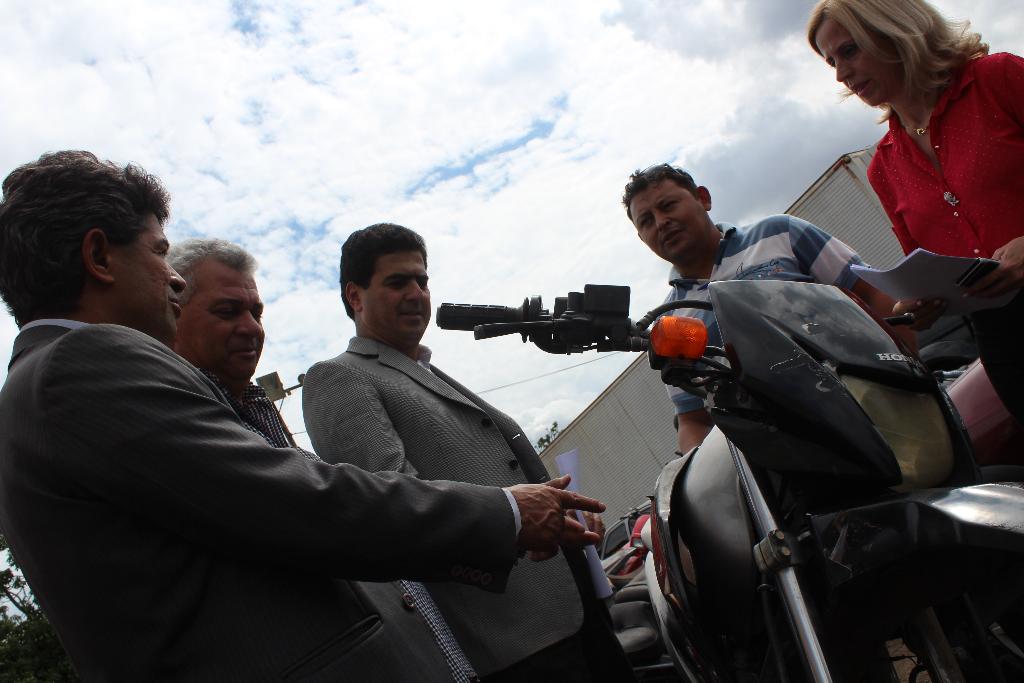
(167, 542)
(377, 408)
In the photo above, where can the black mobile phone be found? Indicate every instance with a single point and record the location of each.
(979, 269)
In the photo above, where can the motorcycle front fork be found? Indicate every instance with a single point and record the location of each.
(786, 580)
(938, 655)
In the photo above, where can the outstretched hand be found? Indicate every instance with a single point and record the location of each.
(545, 525)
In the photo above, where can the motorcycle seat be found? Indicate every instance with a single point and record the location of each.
(635, 590)
(637, 632)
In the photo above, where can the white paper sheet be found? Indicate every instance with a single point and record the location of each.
(924, 275)
(568, 463)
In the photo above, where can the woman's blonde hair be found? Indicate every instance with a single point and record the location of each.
(909, 32)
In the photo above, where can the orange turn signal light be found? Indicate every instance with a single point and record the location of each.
(679, 337)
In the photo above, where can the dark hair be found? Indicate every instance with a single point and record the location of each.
(361, 249)
(652, 175)
(47, 208)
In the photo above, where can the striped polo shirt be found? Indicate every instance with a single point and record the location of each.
(775, 248)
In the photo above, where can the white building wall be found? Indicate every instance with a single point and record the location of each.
(625, 437)
(842, 203)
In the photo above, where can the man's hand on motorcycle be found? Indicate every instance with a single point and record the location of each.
(545, 526)
(926, 312)
(1007, 277)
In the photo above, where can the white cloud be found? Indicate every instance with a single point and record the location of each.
(285, 125)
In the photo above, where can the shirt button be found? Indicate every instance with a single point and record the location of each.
(486, 422)
(977, 251)
(956, 213)
(408, 602)
(513, 464)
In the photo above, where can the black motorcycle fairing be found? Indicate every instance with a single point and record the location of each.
(714, 523)
(778, 447)
(821, 319)
(857, 541)
(689, 644)
(795, 339)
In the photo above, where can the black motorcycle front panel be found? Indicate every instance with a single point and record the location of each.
(788, 343)
(858, 540)
(821, 319)
(713, 521)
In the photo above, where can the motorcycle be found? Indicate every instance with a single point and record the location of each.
(834, 514)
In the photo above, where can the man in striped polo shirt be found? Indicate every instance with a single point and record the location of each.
(670, 213)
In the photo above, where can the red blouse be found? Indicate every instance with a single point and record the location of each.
(976, 203)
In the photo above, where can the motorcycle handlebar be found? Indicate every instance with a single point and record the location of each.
(596, 318)
(468, 316)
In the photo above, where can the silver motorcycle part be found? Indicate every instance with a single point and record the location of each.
(1005, 640)
(938, 655)
(789, 586)
(662, 614)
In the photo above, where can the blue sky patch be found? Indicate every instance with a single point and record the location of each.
(539, 130)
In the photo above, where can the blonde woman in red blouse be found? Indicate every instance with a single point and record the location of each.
(950, 170)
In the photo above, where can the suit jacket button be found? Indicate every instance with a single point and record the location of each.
(408, 602)
(486, 422)
(513, 464)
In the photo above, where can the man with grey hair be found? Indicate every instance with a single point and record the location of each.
(220, 331)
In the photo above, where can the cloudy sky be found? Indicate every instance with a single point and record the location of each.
(502, 131)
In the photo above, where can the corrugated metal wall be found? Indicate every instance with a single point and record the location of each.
(626, 436)
(843, 204)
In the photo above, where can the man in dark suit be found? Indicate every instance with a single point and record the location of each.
(383, 405)
(220, 331)
(163, 539)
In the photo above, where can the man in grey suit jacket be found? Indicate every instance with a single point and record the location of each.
(163, 539)
(383, 406)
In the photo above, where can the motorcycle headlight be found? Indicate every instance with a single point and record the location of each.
(914, 427)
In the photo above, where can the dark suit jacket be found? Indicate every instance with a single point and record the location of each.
(377, 408)
(167, 542)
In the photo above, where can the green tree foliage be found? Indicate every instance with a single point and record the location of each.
(29, 649)
(545, 441)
